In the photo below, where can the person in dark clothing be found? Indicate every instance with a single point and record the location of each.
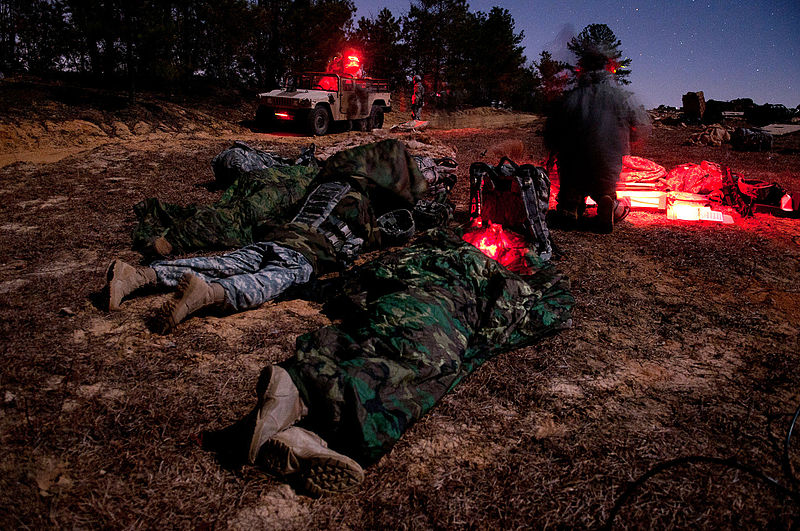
(589, 131)
(417, 98)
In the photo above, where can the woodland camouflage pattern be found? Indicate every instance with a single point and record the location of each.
(382, 175)
(414, 323)
(257, 196)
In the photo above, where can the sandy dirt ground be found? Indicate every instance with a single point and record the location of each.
(685, 344)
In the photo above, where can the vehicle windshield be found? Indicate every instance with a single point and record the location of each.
(316, 82)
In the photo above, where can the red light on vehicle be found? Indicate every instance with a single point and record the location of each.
(283, 116)
(352, 64)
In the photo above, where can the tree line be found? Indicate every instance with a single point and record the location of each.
(465, 57)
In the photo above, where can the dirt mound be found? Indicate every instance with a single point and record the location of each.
(44, 121)
(481, 117)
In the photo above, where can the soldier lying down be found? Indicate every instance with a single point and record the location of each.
(413, 323)
(336, 222)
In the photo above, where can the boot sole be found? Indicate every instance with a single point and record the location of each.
(164, 320)
(320, 474)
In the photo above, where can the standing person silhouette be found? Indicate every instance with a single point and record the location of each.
(589, 130)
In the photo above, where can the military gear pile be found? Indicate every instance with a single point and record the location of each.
(516, 197)
(431, 214)
(397, 226)
(753, 139)
(439, 174)
(414, 323)
(316, 212)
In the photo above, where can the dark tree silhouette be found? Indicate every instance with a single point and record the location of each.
(384, 49)
(597, 47)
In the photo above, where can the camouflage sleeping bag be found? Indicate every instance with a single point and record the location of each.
(414, 323)
(258, 196)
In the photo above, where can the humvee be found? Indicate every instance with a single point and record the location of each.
(315, 100)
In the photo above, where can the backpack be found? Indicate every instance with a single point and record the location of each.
(514, 196)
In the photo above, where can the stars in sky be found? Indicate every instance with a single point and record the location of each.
(727, 48)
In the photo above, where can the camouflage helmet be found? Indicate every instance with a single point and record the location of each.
(396, 226)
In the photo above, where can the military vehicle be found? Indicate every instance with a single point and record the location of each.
(317, 100)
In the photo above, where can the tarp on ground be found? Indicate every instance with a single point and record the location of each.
(641, 170)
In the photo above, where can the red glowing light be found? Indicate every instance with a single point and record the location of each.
(612, 66)
(283, 115)
(691, 211)
(506, 247)
(352, 63)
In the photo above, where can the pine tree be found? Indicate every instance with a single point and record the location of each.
(382, 46)
(596, 47)
(554, 75)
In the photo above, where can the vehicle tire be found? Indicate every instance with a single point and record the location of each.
(375, 118)
(318, 121)
(264, 116)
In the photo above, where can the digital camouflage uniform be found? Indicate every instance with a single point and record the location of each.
(414, 323)
(334, 223)
(250, 276)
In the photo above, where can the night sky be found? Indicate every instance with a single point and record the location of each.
(728, 49)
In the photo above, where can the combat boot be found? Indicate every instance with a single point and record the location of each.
(122, 279)
(161, 247)
(609, 212)
(299, 451)
(279, 406)
(193, 294)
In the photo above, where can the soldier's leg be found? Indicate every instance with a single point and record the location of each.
(122, 279)
(245, 260)
(604, 192)
(571, 198)
(284, 269)
(276, 270)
